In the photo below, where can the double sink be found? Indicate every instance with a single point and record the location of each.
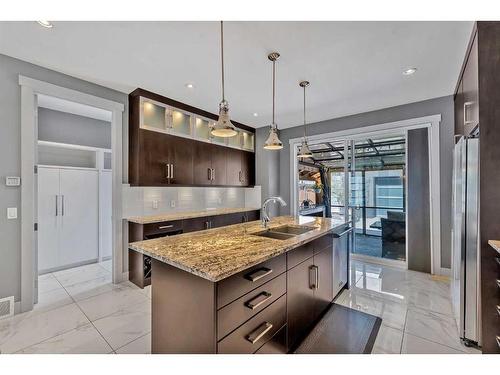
(284, 232)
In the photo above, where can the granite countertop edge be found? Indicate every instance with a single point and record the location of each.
(152, 219)
(230, 271)
(495, 244)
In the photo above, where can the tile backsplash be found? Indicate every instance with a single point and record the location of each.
(143, 201)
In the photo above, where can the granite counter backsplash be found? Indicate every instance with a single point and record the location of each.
(216, 254)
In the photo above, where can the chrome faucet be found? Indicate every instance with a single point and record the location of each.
(264, 216)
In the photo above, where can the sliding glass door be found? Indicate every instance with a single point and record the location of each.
(377, 196)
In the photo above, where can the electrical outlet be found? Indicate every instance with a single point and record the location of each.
(172, 203)
(156, 204)
(12, 213)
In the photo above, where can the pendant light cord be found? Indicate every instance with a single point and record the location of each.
(222, 55)
(274, 88)
(304, 112)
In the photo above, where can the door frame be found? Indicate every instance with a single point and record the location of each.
(432, 123)
(30, 88)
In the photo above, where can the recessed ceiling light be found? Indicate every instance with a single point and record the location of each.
(409, 72)
(46, 24)
(189, 85)
(255, 114)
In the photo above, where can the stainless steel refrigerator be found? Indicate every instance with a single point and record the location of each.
(466, 255)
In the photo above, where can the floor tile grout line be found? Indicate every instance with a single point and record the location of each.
(404, 332)
(435, 342)
(140, 337)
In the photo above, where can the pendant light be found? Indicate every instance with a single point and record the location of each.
(223, 127)
(304, 151)
(273, 142)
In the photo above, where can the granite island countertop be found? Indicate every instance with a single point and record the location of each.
(216, 254)
(182, 215)
(495, 244)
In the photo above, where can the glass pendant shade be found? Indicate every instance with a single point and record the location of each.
(304, 151)
(273, 142)
(223, 127)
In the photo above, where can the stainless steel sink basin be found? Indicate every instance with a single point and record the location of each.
(287, 229)
(275, 235)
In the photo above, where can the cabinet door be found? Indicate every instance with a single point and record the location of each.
(79, 216)
(323, 293)
(248, 168)
(459, 111)
(154, 158)
(471, 90)
(219, 165)
(300, 301)
(253, 215)
(181, 160)
(202, 162)
(196, 224)
(105, 212)
(234, 167)
(48, 218)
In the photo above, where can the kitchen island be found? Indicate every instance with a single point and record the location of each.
(243, 288)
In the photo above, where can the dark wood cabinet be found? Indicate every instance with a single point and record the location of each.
(309, 286)
(300, 301)
(323, 292)
(160, 157)
(459, 112)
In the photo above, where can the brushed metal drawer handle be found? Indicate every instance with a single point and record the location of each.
(166, 226)
(498, 283)
(497, 260)
(498, 309)
(314, 284)
(259, 274)
(258, 300)
(259, 332)
(498, 341)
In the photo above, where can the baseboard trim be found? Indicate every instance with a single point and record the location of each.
(445, 271)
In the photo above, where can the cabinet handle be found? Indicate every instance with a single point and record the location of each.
(62, 205)
(259, 332)
(239, 176)
(213, 174)
(314, 284)
(258, 274)
(258, 300)
(207, 225)
(498, 309)
(168, 171)
(498, 283)
(172, 170)
(57, 208)
(166, 226)
(498, 341)
(497, 260)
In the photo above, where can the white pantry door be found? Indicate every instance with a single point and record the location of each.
(79, 233)
(48, 218)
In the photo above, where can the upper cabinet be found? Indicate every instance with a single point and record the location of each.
(170, 143)
(467, 93)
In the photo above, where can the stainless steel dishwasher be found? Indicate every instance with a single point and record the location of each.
(341, 240)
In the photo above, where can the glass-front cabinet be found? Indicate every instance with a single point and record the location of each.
(160, 117)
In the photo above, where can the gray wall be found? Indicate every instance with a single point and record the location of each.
(419, 216)
(56, 126)
(443, 106)
(10, 154)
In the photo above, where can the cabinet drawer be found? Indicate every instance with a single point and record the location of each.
(239, 311)
(322, 243)
(163, 227)
(243, 282)
(277, 345)
(257, 331)
(298, 255)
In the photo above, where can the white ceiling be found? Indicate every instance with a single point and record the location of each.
(62, 105)
(353, 67)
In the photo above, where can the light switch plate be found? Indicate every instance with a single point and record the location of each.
(12, 181)
(12, 213)
(172, 203)
(156, 203)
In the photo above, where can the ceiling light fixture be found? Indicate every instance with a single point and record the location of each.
(304, 151)
(45, 24)
(273, 142)
(189, 85)
(409, 71)
(223, 127)
(255, 114)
